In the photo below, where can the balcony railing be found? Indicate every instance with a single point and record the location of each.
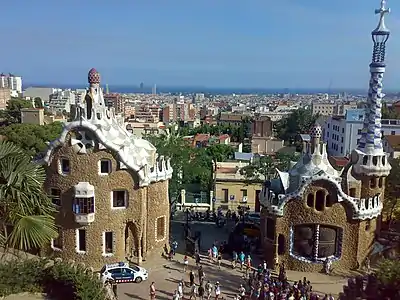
(84, 219)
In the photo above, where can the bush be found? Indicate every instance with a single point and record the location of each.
(58, 280)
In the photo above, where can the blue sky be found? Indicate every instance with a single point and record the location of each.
(213, 43)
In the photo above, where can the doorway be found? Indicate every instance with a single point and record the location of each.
(257, 206)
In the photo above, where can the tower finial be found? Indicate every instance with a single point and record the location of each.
(382, 11)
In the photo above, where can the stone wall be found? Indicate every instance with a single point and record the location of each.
(157, 208)
(126, 239)
(339, 215)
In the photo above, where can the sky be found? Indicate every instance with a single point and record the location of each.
(213, 43)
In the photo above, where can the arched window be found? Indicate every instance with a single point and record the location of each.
(270, 228)
(281, 244)
(372, 183)
(320, 200)
(380, 182)
(315, 242)
(310, 200)
(328, 200)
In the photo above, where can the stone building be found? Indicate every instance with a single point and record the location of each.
(313, 212)
(110, 187)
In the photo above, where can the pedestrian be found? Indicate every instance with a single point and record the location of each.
(185, 263)
(152, 291)
(193, 292)
(234, 259)
(174, 247)
(241, 259)
(217, 290)
(210, 253)
(368, 264)
(180, 289)
(201, 275)
(208, 288)
(115, 288)
(197, 258)
(242, 292)
(200, 292)
(248, 264)
(176, 295)
(191, 278)
(214, 252)
(219, 259)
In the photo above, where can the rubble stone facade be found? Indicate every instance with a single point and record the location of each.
(109, 187)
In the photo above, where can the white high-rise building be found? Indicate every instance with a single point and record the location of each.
(12, 82)
(62, 101)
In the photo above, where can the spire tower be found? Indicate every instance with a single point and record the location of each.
(369, 157)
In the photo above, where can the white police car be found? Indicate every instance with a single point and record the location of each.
(123, 272)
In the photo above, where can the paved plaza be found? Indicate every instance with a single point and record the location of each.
(166, 275)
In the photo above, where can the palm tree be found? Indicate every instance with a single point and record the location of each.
(26, 213)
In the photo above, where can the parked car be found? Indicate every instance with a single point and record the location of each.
(254, 217)
(123, 272)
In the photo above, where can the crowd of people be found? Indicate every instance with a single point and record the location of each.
(259, 283)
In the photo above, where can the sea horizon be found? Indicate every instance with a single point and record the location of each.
(128, 89)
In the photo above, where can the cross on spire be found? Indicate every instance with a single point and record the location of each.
(382, 11)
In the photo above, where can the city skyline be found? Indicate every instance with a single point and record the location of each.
(274, 45)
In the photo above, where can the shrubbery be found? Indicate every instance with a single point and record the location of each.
(59, 280)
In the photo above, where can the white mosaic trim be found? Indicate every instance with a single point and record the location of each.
(316, 260)
(358, 206)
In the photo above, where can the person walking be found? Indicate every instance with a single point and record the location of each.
(197, 258)
(193, 292)
(208, 289)
(234, 259)
(217, 290)
(201, 275)
(191, 278)
(242, 292)
(180, 289)
(175, 296)
(185, 263)
(219, 259)
(201, 291)
(152, 291)
(241, 259)
(248, 264)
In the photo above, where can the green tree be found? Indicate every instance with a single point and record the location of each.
(388, 274)
(299, 121)
(30, 137)
(38, 102)
(389, 113)
(391, 206)
(218, 153)
(284, 159)
(262, 168)
(26, 213)
(171, 145)
(12, 113)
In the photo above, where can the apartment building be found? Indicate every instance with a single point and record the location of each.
(232, 189)
(178, 111)
(5, 96)
(261, 126)
(342, 133)
(61, 101)
(116, 101)
(147, 113)
(330, 109)
(40, 92)
(11, 82)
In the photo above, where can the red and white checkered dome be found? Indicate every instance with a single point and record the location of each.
(316, 131)
(93, 76)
